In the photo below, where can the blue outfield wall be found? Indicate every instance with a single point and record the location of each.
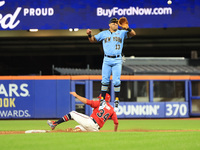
(49, 97)
(34, 98)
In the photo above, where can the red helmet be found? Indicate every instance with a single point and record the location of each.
(107, 97)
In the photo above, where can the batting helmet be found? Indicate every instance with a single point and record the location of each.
(107, 97)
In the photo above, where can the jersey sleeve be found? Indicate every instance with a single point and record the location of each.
(99, 36)
(114, 118)
(92, 103)
(124, 33)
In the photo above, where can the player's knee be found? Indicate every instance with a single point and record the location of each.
(72, 113)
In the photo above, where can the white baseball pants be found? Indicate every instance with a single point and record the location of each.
(86, 122)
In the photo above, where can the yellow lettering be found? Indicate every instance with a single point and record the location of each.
(0, 102)
(5, 102)
(12, 104)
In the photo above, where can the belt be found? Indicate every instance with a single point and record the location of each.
(113, 56)
(95, 122)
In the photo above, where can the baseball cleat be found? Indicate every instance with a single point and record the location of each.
(116, 107)
(52, 124)
(102, 104)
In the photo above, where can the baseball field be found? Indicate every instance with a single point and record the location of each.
(138, 134)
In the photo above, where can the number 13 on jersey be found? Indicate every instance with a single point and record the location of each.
(117, 47)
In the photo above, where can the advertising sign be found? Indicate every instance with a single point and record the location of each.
(62, 14)
(16, 99)
(153, 110)
(34, 98)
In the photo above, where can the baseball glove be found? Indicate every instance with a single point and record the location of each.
(123, 22)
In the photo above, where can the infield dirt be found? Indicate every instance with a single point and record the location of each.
(131, 130)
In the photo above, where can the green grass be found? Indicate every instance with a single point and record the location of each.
(103, 140)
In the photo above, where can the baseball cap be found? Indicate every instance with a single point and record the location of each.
(113, 20)
(107, 97)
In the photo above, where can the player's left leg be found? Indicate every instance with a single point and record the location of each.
(116, 71)
(106, 72)
(53, 124)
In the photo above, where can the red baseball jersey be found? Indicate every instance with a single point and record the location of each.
(101, 116)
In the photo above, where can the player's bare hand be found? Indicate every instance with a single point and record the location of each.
(73, 93)
(89, 31)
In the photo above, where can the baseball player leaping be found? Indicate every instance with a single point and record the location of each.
(92, 123)
(113, 40)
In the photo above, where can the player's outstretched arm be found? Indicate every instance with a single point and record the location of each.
(131, 33)
(123, 22)
(82, 99)
(115, 127)
(91, 38)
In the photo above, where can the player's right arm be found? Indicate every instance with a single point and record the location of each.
(115, 120)
(91, 38)
(115, 127)
(82, 99)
